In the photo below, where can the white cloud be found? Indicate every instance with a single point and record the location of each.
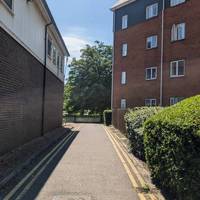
(75, 44)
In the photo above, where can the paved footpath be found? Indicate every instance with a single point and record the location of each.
(89, 169)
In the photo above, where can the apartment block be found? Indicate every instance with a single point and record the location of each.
(32, 58)
(156, 54)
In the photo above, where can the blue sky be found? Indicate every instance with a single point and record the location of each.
(82, 22)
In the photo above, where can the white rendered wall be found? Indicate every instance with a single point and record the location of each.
(27, 26)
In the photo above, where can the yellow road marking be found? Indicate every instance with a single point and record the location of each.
(135, 160)
(132, 179)
(139, 177)
(56, 148)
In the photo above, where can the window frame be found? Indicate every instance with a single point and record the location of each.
(54, 59)
(148, 9)
(175, 100)
(124, 22)
(150, 102)
(123, 104)
(123, 78)
(49, 39)
(151, 78)
(151, 38)
(124, 49)
(176, 2)
(61, 64)
(175, 32)
(177, 70)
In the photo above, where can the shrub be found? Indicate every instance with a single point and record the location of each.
(134, 120)
(107, 116)
(172, 148)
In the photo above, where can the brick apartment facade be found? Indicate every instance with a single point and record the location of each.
(31, 83)
(164, 74)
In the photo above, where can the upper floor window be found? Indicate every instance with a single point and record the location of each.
(151, 11)
(61, 64)
(125, 22)
(174, 100)
(152, 42)
(123, 103)
(176, 2)
(49, 46)
(123, 78)
(177, 68)
(58, 61)
(124, 49)
(9, 3)
(151, 73)
(150, 102)
(54, 56)
(178, 32)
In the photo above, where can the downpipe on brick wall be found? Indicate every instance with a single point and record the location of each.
(44, 78)
(162, 55)
(113, 61)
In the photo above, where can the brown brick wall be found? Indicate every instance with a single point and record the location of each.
(53, 102)
(21, 81)
(137, 88)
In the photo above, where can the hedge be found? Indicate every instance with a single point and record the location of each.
(107, 116)
(172, 148)
(134, 120)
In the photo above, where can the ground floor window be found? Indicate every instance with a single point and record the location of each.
(123, 103)
(150, 102)
(174, 100)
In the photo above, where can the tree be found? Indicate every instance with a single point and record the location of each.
(89, 84)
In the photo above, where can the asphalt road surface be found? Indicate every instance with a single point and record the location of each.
(84, 166)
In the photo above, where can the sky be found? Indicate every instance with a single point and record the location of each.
(82, 22)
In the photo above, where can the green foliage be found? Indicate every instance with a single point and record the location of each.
(89, 84)
(134, 120)
(172, 148)
(107, 117)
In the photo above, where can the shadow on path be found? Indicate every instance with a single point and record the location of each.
(38, 182)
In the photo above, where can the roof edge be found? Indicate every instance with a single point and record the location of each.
(120, 5)
(55, 25)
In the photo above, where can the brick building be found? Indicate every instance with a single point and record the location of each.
(32, 57)
(156, 53)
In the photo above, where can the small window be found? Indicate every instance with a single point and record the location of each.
(125, 22)
(174, 100)
(177, 68)
(123, 103)
(54, 55)
(178, 32)
(150, 102)
(61, 64)
(152, 42)
(123, 78)
(124, 50)
(176, 2)
(58, 61)
(151, 73)
(152, 11)
(9, 3)
(49, 46)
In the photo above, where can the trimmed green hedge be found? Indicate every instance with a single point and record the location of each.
(172, 148)
(134, 120)
(107, 117)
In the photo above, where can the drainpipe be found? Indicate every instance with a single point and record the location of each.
(113, 60)
(44, 78)
(162, 55)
